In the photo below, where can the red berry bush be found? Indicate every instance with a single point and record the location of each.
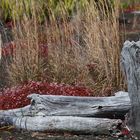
(16, 97)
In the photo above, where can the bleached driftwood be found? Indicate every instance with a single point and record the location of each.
(130, 59)
(78, 125)
(64, 124)
(68, 113)
(106, 107)
(50, 105)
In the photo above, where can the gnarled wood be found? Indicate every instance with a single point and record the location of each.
(130, 59)
(50, 105)
(106, 107)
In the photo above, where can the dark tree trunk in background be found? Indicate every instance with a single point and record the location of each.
(130, 60)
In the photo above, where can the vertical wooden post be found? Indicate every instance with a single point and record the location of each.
(130, 60)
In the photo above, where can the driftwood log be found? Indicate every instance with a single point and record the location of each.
(64, 124)
(51, 105)
(69, 113)
(130, 59)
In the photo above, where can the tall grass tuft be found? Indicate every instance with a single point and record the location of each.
(83, 46)
(27, 63)
(102, 39)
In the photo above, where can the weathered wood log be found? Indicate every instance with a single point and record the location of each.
(68, 113)
(49, 105)
(106, 107)
(64, 124)
(130, 59)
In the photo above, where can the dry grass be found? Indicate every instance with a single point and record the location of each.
(67, 57)
(84, 49)
(27, 61)
(103, 42)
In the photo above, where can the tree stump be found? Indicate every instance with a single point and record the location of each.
(130, 60)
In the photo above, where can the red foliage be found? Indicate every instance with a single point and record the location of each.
(16, 97)
(125, 131)
(9, 49)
